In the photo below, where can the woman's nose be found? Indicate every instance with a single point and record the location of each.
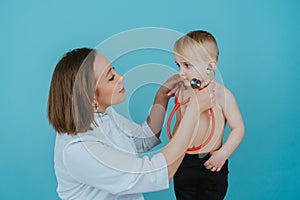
(121, 77)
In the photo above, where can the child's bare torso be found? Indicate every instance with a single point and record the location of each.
(205, 122)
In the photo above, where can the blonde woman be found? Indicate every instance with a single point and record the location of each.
(96, 149)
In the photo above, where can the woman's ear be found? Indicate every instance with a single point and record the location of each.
(95, 103)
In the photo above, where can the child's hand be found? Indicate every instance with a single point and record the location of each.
(216, 161)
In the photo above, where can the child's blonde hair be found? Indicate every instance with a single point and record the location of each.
(198, 44)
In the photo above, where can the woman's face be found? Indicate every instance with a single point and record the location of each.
(109, 84)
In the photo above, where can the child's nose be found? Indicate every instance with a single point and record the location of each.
(181, 72)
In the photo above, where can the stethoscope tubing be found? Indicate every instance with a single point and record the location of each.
(176, 107)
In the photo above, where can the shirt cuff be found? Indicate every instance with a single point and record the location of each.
(148, 132)
(160, 164)
(152, 138)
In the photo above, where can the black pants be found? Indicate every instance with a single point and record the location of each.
(193, 181)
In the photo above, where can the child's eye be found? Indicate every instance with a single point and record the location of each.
(187, 65)
(112, 78)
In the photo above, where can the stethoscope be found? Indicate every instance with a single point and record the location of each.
(195, 84)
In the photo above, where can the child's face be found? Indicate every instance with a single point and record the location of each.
(189, 69)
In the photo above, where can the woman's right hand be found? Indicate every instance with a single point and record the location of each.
(202, 100)
(175, 150)
(206, 97)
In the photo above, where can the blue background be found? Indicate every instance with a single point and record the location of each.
(259, 61)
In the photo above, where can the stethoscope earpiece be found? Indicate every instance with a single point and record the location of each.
(195, 83)
(209, 68)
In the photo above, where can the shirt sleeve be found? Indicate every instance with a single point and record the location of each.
(144, 138)
(118, 172)
(142, 135)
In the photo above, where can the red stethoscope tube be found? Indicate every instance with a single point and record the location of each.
(177, 105)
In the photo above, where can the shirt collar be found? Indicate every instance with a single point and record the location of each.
(101, 116)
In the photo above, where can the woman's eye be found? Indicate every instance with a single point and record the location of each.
(112, 78)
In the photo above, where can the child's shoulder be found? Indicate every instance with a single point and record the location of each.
(223, 94)
(221, 89)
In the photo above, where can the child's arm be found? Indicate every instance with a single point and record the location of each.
(235, 121)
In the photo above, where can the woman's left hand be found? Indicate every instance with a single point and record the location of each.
(170, 87)
(216, 161)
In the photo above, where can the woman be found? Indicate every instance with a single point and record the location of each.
(96, 149)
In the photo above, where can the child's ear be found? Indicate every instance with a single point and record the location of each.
(211, 67)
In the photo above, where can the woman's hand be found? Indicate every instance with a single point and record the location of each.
(170, 87)
(200, 100)
(157, 114)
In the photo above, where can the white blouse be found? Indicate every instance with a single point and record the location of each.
(104, 163)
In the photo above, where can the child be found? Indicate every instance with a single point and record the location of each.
(203, 173)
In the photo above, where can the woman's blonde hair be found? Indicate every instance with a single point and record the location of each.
(71, 93)
(198, 44)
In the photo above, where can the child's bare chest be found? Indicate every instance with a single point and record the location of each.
(205, 127)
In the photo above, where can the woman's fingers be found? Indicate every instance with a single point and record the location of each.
(170, 93)
(205, 99)
(173, 90)
(172, 81)
(172, 85)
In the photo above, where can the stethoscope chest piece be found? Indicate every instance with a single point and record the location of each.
(195, 83)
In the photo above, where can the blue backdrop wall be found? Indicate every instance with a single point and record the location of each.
(259, 62)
